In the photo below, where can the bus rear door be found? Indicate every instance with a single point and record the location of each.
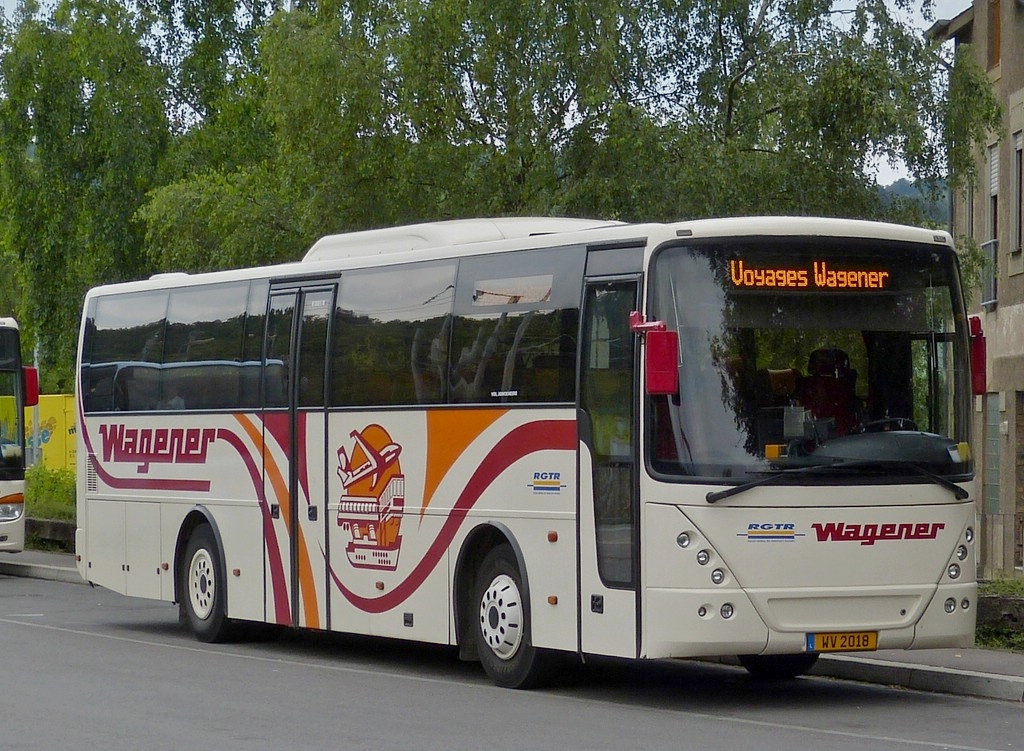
(295, 375)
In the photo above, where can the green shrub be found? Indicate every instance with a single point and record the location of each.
(50, 493)
(1002, 587)
(995, 637)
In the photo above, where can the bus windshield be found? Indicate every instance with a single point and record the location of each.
(11, 415)
(811, 352)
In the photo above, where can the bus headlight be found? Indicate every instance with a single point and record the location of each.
(961, 552)
(954, 571)
(11, 511)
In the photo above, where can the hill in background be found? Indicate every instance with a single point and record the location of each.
(904, 190)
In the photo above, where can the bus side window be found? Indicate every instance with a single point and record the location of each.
(121, 331)
(390, 336)
(278, 351)
(514, 335)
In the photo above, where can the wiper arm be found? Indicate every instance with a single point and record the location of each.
(957, 491)
(718, 495)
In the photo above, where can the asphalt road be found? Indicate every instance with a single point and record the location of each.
(95, 670)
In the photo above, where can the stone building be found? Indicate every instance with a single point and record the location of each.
(993, 214)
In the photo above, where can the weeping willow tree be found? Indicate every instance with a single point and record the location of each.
(145, 135)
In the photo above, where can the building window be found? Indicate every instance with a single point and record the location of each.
(990, 275)
(1018, 192)
(1015, 257)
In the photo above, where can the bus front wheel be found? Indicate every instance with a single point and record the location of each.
(202, 587)
(503, 638)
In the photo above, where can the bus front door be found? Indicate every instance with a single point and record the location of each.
(608, 509)
(295, 377)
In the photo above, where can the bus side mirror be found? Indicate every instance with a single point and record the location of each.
(979, 380)
(30, 384)
(661, 356)
(662, 362)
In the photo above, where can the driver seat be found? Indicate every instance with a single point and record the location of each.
(829, 389)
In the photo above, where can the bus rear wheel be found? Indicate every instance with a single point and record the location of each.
(503, 639)
(202, 587)
(778, 667)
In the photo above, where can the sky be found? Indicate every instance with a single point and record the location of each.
(887, 174)
(941, 9)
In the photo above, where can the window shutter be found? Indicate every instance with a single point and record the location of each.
(993, 170)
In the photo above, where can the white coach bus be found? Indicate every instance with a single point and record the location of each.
(19, 388)
(534, 438)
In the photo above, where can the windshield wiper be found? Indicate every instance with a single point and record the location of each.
(957, 491)
(718, 495)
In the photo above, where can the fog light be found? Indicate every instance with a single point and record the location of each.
(950, 605)
(703, 557)
(969, 534)
(961, 552)
(965, 604)
(717, 576)
(954, 571)
(727, 611)
(683, 540)
(702, 611)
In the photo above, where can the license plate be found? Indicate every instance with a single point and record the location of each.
(843, 641)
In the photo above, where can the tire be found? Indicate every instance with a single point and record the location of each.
(501, 617)
(203, 596)
(778, 667)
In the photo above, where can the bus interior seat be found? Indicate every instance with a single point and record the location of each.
(137, 387)
(783, 384)
(829, 388)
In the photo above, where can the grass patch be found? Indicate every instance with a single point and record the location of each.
(35, 542)
(998, 636)
(988, 637)
(1002, 587)
(50, 493)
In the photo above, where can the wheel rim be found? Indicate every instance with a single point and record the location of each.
(501, 617)
(202, 584)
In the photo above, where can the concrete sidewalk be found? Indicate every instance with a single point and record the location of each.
(37, 564)
(966, 672)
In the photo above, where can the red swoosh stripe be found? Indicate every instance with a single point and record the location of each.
(542, 435)
(282, 608)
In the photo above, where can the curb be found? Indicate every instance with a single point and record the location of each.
(922, 677)
(41, 571)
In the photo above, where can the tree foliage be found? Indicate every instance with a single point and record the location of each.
(144, 135)
(82, 130)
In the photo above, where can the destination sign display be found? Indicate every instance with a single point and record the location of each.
(821, 275)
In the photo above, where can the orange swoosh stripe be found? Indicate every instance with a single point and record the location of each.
(307, 587)
(449, 434)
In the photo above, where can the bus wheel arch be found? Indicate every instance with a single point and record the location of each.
(200, 581)
(477, 545)
(495, 609)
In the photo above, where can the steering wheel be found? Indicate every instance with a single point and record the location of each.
(886, 424)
